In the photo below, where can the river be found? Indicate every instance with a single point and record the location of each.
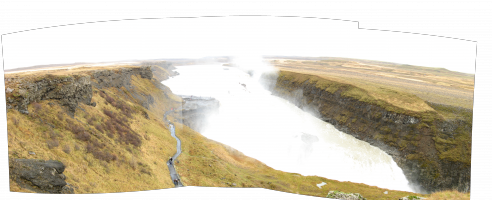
(279, 134)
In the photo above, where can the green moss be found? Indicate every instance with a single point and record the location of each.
(392, 139)
(422, 125)
(444, 141)
(342, 119)
(436, 175)
(457, 149)
(385, 129)
(403, 144)
(378, 136)
(413, 156)
(42, 129)
(453, 112)
(377, 115)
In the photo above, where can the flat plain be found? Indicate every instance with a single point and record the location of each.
(380, 79)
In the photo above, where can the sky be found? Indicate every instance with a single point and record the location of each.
(231, 36)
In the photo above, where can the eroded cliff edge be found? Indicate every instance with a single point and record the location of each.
(433, 153)
(70, 90)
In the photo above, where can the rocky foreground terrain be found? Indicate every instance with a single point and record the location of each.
(40, 176)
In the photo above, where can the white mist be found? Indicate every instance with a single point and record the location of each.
(279, 134)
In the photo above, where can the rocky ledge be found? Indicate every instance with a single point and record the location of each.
(70, 90)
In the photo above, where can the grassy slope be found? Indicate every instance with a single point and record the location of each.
(84, 169)
(127, 167)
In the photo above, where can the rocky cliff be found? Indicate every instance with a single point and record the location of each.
(195, 112)
(433, 153)
(71, 90)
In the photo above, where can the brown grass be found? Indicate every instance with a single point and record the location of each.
(37, 107)
(440, 85)
(67, 149)
(53, 143)
(101, 163)
(108, 163)
(79, 69)
(449, 195)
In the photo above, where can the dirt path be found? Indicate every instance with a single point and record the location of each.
(170, 164)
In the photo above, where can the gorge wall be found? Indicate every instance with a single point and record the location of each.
(69, 91)
(433, 153)
(195, 112)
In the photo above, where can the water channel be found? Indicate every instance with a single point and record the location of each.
(279, 134)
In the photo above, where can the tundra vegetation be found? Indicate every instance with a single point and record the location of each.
(121, 142)
(440, 100)
(402, 103)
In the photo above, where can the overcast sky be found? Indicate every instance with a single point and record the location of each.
(231, 36)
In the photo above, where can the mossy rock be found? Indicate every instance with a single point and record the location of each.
(412, 198)
(342, 195)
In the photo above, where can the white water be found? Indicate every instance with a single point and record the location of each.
(279, 134)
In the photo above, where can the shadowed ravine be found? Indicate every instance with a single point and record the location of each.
(170, 163)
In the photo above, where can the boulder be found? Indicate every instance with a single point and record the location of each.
(412, 198)
(39, 175)
(346, 196)
(146, 115)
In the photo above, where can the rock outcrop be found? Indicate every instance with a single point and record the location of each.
(346, 196)
(119, 78)
(423, 147)
(162, 70)
(412, 198)
(74, 89)
(195, 111)
(39, 175)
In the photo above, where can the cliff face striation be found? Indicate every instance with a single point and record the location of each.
(432, 152)
(69, 91)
